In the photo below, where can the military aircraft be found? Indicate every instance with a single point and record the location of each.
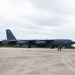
(11, 40)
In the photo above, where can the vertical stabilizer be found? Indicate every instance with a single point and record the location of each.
(10, 35)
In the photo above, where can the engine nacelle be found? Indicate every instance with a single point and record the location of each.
(40, 42)
(20, 42)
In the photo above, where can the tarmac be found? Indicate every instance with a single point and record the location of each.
(37, 61)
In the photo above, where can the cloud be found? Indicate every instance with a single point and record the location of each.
(49, 22)
(57, 6)
(37, 19)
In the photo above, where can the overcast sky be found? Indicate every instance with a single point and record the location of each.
(38, 19)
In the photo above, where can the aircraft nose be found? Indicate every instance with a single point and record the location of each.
(73, 42)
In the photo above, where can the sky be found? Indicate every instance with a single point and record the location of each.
(38, 19)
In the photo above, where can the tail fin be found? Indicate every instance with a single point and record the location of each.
(10, 35)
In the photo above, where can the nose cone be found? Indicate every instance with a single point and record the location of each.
(73, 42)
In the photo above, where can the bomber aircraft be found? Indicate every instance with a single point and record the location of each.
(11, 40)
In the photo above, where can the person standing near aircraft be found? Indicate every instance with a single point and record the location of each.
(59, 48)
